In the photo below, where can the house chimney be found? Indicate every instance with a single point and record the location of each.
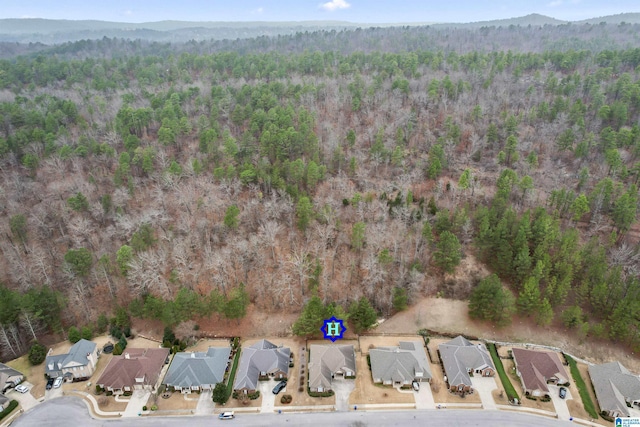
(126, 355)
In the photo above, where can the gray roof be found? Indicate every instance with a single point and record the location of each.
(3, 400)
(614, 386)
(324, 360)
(400, 363)
(77, 355)
(263, 356)
(198, 368)
(459, 356)
(6, 373)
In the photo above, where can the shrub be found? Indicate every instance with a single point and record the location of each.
(154, 407)
(254, 396)
(144, 408)
(37, 353)
(353, 377)
(301, 389)
(322, 394)
(285, 399)
(99, 390)
(12, 405)
(127, 393)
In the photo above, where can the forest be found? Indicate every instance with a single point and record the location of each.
(341, 176)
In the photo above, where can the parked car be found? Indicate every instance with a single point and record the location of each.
(226, 416)
(562, 393)
(50, 383)
(416, 385)
(57, 383)
(22, 388)
(278, 388)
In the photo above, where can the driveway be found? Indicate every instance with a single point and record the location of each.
(53, 393)
(205, 404)
(484, 386)
(26, 400)
(342, 388)
(137, 400)
(424, 397)
(268, 398)
(560, 404)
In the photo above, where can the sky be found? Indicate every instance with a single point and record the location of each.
(364, 11)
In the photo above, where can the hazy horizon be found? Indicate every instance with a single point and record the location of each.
(355, 11)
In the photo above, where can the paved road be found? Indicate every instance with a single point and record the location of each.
(69, 411)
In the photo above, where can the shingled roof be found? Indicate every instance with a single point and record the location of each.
(536, 367)
(6, 373)
(614, 386)
(263, 356)
(199, 368)
(136, 366)
(399, 364)
(325, 360)
(459, 356)
(77, 356)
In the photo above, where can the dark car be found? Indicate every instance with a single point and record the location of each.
(278, 388)
(50, 383)
(562, 393)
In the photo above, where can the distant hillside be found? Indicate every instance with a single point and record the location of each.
(629, 18)
(533, 19)
(49, 31)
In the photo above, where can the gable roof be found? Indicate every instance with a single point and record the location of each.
(324, 360)
(145, 363)
(263, 356)
(536, 367)
(6, 373)
(614, 386)
(459, 356)
(77, 356)
(198, 368)
(399, 363)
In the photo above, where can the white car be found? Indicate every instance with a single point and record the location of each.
(22, 388)
(57, 383)
(226, 416)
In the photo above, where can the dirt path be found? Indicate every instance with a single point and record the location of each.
(447, 315)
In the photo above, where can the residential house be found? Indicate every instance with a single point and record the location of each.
(4, 402)
(537, 368)
(327, 362)
(9, 378)
(400, 365)
(615, 388)
(76, 365)
(198, 371)
(461, 359)
(262, 359)
(135, 369)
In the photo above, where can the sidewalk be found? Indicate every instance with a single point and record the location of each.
(92, 404)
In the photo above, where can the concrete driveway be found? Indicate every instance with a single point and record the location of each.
(268, 398)
(342, 388)
(424, 397)
(484, 386)
(560, 404)
(26, 400)
(205, 404)
(137, 400)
